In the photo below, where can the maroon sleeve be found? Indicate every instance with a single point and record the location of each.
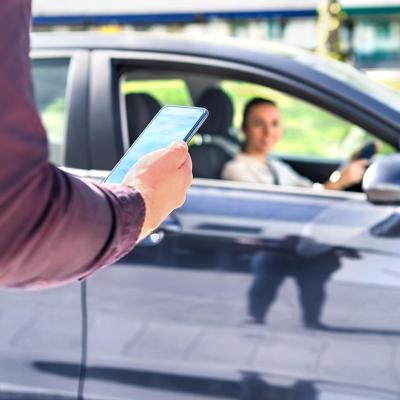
(54, 228)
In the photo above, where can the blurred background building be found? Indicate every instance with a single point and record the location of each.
(368, 34)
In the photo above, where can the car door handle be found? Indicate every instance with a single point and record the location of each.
(230, 228)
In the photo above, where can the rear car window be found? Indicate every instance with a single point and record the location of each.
(143, 97)
(50, 82)
(165, 91)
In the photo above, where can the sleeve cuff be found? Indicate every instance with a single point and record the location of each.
(129, 210)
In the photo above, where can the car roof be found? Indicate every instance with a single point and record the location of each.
(293, 63)
(254, 53)
(157, 42)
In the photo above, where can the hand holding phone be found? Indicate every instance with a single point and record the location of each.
(170, 125)
(162, 178)
(161, 174)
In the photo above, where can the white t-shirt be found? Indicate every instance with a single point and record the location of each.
(245, 168)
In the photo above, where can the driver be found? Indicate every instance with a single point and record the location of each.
(262, 128)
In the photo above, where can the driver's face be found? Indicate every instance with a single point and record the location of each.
(263, 128)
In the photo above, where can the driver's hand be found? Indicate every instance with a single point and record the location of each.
(162, 178)
(357, 155)
(352, 173)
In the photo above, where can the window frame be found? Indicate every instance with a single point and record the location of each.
(76, 145)
(316, 112)
(120, 61)
(58, 55)
(122, 107)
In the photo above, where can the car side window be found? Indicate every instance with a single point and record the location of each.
(309, 131)
(50, 82)
(164, 91)
(143, 98)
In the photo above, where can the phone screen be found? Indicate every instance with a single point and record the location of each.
(170, 125)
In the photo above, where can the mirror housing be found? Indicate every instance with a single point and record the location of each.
(381, 181)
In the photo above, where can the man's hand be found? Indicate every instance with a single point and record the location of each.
(162, 178)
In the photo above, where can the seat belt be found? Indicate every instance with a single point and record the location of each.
(274, 174)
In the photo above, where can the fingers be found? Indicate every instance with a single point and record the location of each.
(186, 176)
(362, 162)
(354, 172)
(169, 159)
(358, 164)
(359, 168)
(187, 164)
(187, 169)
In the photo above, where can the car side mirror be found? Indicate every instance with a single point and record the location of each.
(381, 181)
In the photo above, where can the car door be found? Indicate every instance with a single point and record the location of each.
(177, 323)
(41, 331)
(248, 291)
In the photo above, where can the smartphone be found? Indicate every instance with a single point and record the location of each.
(170, 125)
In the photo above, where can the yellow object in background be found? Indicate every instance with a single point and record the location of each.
(110, 28)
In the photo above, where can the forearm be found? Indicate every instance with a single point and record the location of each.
(56, 229)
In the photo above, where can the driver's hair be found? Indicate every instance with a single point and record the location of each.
(255, 101)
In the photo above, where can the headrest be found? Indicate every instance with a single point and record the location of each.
(140, 109)
(208, 160)
(220, 107)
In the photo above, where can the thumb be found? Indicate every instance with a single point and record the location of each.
(176, 155)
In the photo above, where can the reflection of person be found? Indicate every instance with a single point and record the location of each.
(262, 128)
(311, 273)
(54, 227)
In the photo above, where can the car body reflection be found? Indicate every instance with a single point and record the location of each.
(271, 268)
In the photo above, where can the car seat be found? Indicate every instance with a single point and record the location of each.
(215, 145)
(140, 110)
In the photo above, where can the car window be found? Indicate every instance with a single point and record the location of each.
(165, 91)
(308, 130)
(143, 97)
(50, 81)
